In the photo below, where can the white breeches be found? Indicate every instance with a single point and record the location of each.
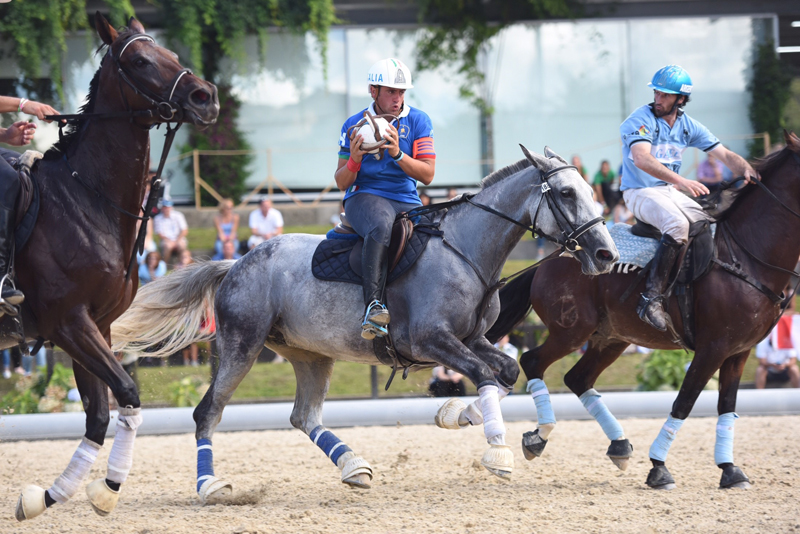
(666, 208)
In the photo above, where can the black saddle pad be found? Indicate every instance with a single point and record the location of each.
(331, 260)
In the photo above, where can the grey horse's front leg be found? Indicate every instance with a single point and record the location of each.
(313, 378)
(454, 414)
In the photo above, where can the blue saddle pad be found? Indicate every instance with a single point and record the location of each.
(634, 252)
(331, 259)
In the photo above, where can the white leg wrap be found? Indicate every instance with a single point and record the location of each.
(120, 459)
(493, 427)
(473, 414)
(70, 480)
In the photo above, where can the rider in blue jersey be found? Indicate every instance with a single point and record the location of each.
(653, 140)
(18, 134)
(378, 188)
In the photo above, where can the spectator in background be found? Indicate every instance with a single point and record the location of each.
(622, 214)
(606, 187)
(711, 173)
(152, 268)
(227, 225)
(576, 160)
(228, 252)
(446, 383)
(184, 260)
(452, 193)
(265, 223)
(424, 199)
(171, 228)
(777, 353)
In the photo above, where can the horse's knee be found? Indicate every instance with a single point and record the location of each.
(576, 383)
(96, 426)
(128, 395)
(528, 362)
(509, 372)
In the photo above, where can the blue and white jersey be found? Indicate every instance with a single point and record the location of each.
(666, 144)
(384, 177)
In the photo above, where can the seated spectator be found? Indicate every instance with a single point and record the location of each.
(446, 383)
(777, 355)
(228, 252)
(184, 260)
(152, 268)
(505, 345)
(576, 161)
(424, 199)
(227, 225)
(621, 213)
(265, 223)
(606, 186)
(171, 228)
(711, 173)
(452, 193)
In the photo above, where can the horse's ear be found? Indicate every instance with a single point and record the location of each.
(792, 141)
(135, 26)
(548, 153)
(538, 161)
(104, 29)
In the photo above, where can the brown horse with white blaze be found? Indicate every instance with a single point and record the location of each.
(731, 316)
(75, 264)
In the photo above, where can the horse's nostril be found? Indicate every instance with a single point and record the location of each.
(604, 255)
(200, 97)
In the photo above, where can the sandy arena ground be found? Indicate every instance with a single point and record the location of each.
(429, 480)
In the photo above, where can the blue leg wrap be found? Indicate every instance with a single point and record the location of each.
(544, 410)
(205, 461)
(329, 443)
(723, 448)
(660, 447)
(597, 409)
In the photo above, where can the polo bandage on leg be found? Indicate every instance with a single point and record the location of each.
(493, 427)
(593, 403)
(205, 462)
(723, 448)
(68, 482)
(473, 413)
(332, 446)
(660, 447)
(120, 459)
(541, 397)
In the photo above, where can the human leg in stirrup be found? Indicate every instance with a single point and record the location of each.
(651, 303)
(374, 267)
(10, 297)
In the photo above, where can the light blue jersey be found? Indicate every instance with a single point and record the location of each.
(666, 144)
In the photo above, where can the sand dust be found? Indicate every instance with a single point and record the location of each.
(429, 480)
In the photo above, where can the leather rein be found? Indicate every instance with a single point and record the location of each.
(163, 111)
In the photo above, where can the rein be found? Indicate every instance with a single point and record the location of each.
(163, 110)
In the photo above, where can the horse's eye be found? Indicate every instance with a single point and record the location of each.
(568, 192)
(139, 62)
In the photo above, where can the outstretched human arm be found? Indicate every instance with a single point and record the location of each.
(10, 104)
(736, 163)
(645, 161)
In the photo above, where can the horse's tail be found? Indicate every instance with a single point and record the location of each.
(515, 304)
(171, 312)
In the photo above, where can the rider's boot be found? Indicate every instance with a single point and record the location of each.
(10, 295)
(651, 303)
(374, 267)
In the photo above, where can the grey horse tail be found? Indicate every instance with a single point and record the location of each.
(171, 312)
(515, 304)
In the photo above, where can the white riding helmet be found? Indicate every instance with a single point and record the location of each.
(390, 72)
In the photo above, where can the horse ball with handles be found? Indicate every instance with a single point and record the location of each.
(372, 126)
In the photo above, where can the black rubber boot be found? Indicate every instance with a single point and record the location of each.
(533, 445)
(651, 303)
(9, 295)
(733, 477)
(659, 477)
(374, 267)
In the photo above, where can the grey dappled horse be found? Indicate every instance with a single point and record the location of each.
(270, 297)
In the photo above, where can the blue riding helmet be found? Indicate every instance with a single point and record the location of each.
(672, 79)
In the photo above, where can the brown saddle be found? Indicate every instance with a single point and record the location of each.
(401, 233)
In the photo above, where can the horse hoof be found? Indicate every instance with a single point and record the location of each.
(733, 478)
(30, 503)
(447, 416)
(660, 478)
(532, 444)
(357, 473)
(214, 490)
(102, 498)
(499, 461)
(620, 452)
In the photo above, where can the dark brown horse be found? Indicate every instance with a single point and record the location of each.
(73, 268)
(731, 317)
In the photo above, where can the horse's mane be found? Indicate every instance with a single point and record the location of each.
(769, 164)
(71, 131)
(496, 176)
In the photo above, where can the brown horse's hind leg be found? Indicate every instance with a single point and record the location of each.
(581, 378)
(729, 375)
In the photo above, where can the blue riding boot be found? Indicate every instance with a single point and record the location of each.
(374, 267)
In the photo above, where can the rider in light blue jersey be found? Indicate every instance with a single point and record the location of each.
(378, 188)
(653, 140)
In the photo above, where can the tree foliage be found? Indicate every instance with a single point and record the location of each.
(459, 31)
(770, 88)
(38, 29)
